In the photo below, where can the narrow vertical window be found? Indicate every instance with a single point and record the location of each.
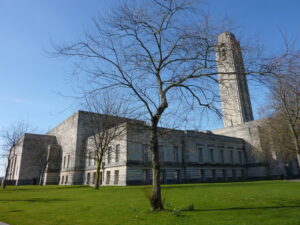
(62, 180)
(109, 155)
(242, 174)
(231, 156)
(234, 174)
(202, 173)
(177, 176)
(222, 155)
(213, 174)
(66, 179)
(117, 153)
(163, 176)
(145, 153)
(88, 178)
(200, 154)
(224, 174)
(116, 181)
(175, 153)
(240, 157)
(90, 158)
(94, 178)
(161, 153)
(211, 155)
(107, 177)
(64, 161)
(68, 163)
(146, 174)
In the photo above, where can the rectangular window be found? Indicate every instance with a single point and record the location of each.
(202, 173)
(177, 176)
(116, 181)
(240, 157)
(231, 156)
(224, 174)
(145, 153)
(90, 158)
(95, 159)
(200, 154)
(161, 153)
(109, 154)
(107, 177)
(66, 179)
(117, 153)
(64, 161)
(175, 153)
(62, 180)
(242, 174)
(222, 155)
(88, 178)
(94, 178)
(213, 174)
(211, 155)
(163, 176)
(234, 173)
(68, 163)
(146, 176)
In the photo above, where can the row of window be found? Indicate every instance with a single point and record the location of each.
(92, 157)
(110, 152)
(204, 174)
(145, 152)
(64, 179)
(200, 151)
(66, 162)
(108, 177)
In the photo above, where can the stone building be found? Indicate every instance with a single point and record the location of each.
(234, 152)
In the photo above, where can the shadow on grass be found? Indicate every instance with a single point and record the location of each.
(32, 200)
(221, 184)
(15, 210)
(240, 208)
(41, 188)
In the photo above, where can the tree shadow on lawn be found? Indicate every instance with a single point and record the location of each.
(38, 200)
(220, 184)
(242, 208)
(41, 188)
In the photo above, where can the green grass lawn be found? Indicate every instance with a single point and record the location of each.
(244, 203)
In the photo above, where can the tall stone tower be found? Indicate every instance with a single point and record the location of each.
(235, 100)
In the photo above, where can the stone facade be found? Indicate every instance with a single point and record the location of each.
(236, 105)
(234, 152)
(185, 157)
(29, 158)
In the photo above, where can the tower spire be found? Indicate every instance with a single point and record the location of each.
(235, 99)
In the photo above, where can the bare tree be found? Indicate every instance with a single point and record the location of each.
(105, 123)
(11, 138)
(44, 143)
(160, 54)
(284, 88)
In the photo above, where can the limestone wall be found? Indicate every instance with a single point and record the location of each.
(34, 156)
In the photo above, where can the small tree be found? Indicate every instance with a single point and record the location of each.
(105, 124)
(11, 138)
(44, 143)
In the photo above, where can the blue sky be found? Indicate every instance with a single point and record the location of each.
(30, 80)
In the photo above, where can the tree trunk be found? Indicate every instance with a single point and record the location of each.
(296, 142)
(155, 201)
(41, 178)
(6, 174)
(99, 161)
